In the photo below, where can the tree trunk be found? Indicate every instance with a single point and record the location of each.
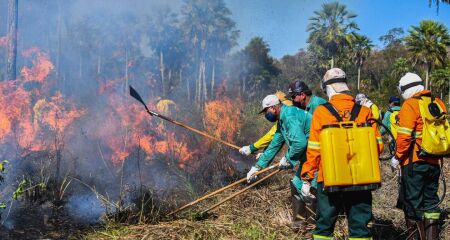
(332, 62)
(359, 76)
(161, 69)
(99, 64)
(81, 64)
(213, 80)
(126, 72)
(427, 73)
(188, 91)
(205, 89)
(11, 73)
(58, 54)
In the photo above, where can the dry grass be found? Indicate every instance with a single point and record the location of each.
(264, 213)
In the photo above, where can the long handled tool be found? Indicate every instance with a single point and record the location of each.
(136, 95)
(219, 191)
(240, 192)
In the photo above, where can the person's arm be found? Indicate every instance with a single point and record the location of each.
(297, 132)
(406, 125)
(377, 135)
(311, 166)
(375, 111)
(265, 140)
(272, 150)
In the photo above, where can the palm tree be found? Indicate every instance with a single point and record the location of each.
(332, 28)
(427, 44)
(210, 31)
(362, 46)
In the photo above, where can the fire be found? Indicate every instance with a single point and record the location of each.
(41, 68)
(28, 115)
(128, 127)
(222, 118)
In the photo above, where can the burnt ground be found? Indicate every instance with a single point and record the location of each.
(42, 222)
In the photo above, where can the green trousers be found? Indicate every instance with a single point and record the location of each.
(357, 206)
(418, 190)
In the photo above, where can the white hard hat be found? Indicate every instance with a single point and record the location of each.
(269, 101)
(334, 75)
(407, 81)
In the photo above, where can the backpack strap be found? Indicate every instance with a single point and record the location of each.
(355, 112)
(333, 111)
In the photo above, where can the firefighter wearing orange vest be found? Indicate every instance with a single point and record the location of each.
(419, 174)
(356, 203)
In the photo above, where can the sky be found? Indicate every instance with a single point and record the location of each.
(282, 23)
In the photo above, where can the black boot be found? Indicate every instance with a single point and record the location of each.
(415, 230)
(431, 229)
(311, 209)
(299, 211)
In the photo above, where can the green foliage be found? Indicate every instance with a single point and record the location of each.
(392, 38)
(428, 42)
(255, 69)
(332, 29)
(440, 79)
(19, 190)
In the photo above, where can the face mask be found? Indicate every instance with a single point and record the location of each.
(270, 116)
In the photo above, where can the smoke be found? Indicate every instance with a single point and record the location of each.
(69, 115)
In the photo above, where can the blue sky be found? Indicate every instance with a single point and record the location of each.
(282, 23)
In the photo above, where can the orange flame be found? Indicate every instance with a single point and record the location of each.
(41, 66)
(222, 118)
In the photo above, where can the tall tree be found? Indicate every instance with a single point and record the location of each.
(393, 38)
(332, 28)
(12, 39)
(361, 48)
(255, 67)
(211, 32)
(427, 44)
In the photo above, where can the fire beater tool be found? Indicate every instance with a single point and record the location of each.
(219, 191)
(136, 95)
(238, 193)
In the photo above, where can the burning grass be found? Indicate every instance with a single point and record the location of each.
(264, 213)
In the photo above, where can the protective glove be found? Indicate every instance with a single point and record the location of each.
(285, 164)
(245, 150)
(251, 177)
(394, 163)
(258, 155)
(306, 191)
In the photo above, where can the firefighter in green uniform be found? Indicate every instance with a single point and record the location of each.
(292, 129)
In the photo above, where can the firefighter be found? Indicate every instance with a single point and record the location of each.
(357, 203)
(300, 96)
(267, 138)
(419, 174)
(292, 129)
(361, 99)
(303, 98)
(394, 108)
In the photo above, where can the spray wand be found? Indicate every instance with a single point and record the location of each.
(136, 96)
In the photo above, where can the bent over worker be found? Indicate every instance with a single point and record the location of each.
(292, 129)
(357, 202)
(419, 172)
(267, 138)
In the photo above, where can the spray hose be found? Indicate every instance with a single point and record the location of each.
(392, 150)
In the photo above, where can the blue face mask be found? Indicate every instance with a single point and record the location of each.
(272, 117)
